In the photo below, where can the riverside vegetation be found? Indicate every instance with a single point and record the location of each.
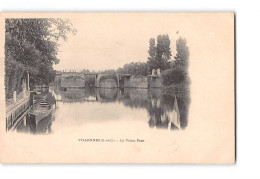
(31, 46)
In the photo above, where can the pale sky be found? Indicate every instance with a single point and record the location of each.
(108, 41)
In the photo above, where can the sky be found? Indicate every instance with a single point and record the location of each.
(110, 40)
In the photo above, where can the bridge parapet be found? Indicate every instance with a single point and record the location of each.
(72, 80)
(72, 74)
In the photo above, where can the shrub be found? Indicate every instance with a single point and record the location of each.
(175, 75)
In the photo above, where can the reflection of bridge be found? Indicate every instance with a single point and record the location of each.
(87, 100)
(163, 109)
(83, 95)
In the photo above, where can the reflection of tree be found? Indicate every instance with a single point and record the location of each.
(156, 114)
(157, 109)
(158, 103)
(134, 98)
(160, 108)
(183, 99)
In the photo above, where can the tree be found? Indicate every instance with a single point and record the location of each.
(152, 55)
(182, 56)
(160, 54)
(178, 73)
(163, 51)
(134, 68)
(175, 75)
(32, 45)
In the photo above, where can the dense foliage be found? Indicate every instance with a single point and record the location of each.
(31, 45)
(183, 54)
(160, 54)
(178, 73)
(175, 75)
(134, 68)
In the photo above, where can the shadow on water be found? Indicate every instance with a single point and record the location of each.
(159, 105)
(165, 109)
(163, 106)
(28, 125)
(107, 95)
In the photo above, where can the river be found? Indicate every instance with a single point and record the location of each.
(148, 108)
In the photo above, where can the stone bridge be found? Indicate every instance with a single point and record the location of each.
(99, 80)
(72, 80)
(81, 80)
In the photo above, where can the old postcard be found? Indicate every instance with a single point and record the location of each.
(117, 88)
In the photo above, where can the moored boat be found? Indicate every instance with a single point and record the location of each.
(40, 111)
(38, 98)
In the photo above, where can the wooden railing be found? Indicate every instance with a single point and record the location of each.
(16, 110)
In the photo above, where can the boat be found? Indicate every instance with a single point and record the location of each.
(40, 111)
(43, 126)
(38, 98)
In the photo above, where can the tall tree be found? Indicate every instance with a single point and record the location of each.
(32, 45)
(178, 74)
(152, 55)
(160, 54)
(163, 51)
(183, 54)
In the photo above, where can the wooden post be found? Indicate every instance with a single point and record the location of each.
(158, 103)
(24, 121)
(117, 80)
(24, 88)
(158, 72)
(14, 96)
(153, 72)
(96, 80)
(28, 81)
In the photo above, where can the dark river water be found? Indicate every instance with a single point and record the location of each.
(150, 108)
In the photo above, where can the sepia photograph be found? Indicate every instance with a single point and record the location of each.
(118, 88)
(42, 89)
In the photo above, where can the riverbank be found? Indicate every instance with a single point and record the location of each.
(182, 87)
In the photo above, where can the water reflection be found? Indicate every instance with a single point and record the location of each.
(106, 95)
(27, 125)
(163, 109)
